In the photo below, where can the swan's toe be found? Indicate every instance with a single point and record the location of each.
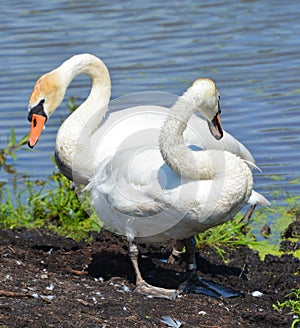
(172, 259)
(152, 291)
(198, 285)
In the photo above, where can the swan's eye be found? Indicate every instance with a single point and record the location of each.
(38, 109)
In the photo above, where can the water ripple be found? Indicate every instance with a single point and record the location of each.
(250, 48)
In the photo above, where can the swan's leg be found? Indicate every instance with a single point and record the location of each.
(248, 214)
(141, 285)
(176, 252)
(196, 284)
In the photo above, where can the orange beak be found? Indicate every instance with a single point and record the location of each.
(37, 125)
(215, 127)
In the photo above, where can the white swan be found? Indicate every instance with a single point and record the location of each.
(145, 192)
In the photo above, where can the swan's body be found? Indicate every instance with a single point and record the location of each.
(154, 204)
(137, 194)
(151, 187)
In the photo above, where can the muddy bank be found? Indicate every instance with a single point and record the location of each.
(50, 281)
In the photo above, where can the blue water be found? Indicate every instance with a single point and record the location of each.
(251, 49)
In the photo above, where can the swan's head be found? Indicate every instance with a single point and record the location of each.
(46, 96)
(206, 96)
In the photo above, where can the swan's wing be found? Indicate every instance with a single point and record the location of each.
(198, 134)
(127, 128)
(132, 181)
(132, 127)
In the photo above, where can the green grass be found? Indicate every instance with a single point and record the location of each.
(236, 233)
(229, 235)
(292, 304)
(51, 204)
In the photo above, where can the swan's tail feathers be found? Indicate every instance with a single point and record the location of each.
(257, 198)
(252, 165)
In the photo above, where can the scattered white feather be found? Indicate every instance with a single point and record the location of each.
(202, 312)
(8, 277)
(99, 279)
(126, 288)
(256, 293)
(172, 323)
(48, 297)
(50, 287)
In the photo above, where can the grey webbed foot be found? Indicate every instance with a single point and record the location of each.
(198, 285)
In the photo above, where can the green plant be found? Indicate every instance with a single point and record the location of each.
(293, 304)
(228, 235)
(51, 204)
(9, 150)
(71, 104)
(278, 216)
(66, 210)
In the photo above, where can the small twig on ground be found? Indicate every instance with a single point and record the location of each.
(79, 272)
(5, 293)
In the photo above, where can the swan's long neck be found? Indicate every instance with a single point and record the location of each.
(73, 150)
(196, 165)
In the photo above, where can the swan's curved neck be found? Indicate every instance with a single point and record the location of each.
(99, 96)
(74, 136)
(196, 165)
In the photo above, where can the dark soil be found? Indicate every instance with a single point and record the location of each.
(50, 281)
